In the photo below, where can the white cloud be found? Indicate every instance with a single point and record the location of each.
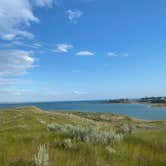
(8, 36)
(15, 62)
(85, 53)
(73, 15)
(13, 14)
(37, 45)
(112, 54)
(15, 43)
(16, 15)
(63, 48)
(43, 3)
(12, 91)
(7, 82)
(76, 92)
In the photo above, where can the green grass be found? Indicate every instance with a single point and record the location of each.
(23, 130)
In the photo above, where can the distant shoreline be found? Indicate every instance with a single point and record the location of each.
(161, 105)
(152, 101)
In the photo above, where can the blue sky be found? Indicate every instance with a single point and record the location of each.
(81, 49)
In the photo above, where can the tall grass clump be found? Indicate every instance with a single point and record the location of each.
(88, 134)
(42, 157)
(127, 129)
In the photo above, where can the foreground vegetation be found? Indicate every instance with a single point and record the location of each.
(32, 137)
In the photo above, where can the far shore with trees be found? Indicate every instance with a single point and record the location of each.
(154, 101)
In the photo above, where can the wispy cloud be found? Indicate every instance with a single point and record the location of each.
(37, 45)
(15, 62)
(16, 43)
(8, 36)
(7, 81)
(115, 54)
(76, 92)
(85, 53)
(74, 15)
(14, 92)
(13, 81)
(112, 54)
(12, 15)
(63, 48)
(43, 3)
(16, 15)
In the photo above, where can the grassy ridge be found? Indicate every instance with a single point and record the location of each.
(23, 130)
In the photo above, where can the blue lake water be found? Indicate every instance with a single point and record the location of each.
(141, 111)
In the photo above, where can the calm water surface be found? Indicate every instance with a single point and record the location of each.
(141, 111)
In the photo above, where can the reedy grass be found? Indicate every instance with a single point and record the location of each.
(42, 157)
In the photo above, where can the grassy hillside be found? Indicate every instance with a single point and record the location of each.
(32, 137)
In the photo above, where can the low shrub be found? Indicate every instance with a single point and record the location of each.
(54, 127)
(88, 134)
(67, 143)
